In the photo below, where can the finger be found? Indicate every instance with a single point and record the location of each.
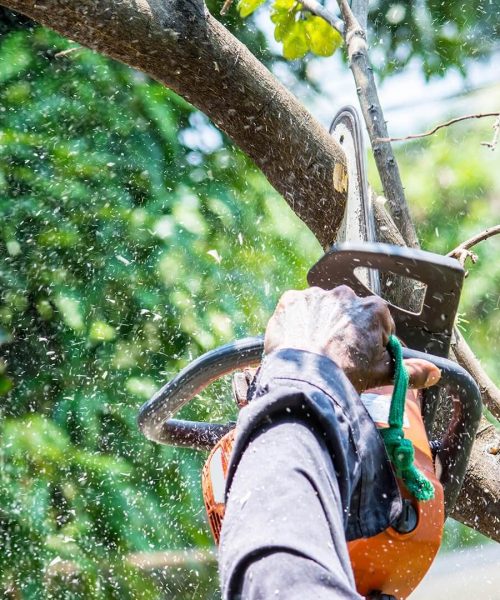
(388, 324)
(423, 374)
(343, 292)
(289, 297)
(380, 309)
(381, 373)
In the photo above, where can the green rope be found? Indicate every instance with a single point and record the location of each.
(399, 449)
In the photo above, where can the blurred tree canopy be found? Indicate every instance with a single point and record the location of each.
(441, 35)
(134, 237)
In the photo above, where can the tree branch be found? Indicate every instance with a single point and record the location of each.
(178, 43)
(360, 11)
(468, 360)
(462, 251)
(319, 10)
(416, 136)
(479, 501)
(226, 6)
(357, 49)
(496, 133)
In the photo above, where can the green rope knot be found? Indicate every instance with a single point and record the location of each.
(400, 449)
(402, 454)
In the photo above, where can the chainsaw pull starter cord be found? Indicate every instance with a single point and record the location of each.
(400, 449)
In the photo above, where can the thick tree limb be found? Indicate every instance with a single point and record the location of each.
(479, 501)
(178, 43)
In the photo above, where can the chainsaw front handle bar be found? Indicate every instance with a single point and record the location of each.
(155, 416)
(157, 424)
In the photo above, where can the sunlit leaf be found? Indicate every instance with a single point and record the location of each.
(100, 331)
(322, 39)
(295, 41)
(247, 7)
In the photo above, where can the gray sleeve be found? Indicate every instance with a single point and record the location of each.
(283, 533)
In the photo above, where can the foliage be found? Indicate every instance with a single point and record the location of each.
(440, 35)
(132, 239)
(299, 31)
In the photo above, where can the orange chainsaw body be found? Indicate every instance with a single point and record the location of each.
(392, 563)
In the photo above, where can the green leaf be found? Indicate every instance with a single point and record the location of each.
(5, 385)
(100, 331)
(247, 7)
(322, 39)
(70, 312)
(295, 42)
(286, 5)
(4, 336)
(284, 20)
(37, 439)
(144, 387)
(16, 57)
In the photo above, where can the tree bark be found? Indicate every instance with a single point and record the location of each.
(479, 501)
(178, 43)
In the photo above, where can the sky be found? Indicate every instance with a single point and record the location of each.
(410, 103)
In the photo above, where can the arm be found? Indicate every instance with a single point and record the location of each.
(308, 468)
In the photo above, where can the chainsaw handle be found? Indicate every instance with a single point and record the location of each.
(454, 449)
(155, 416)
(156, 422)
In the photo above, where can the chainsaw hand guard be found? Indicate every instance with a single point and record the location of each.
(157, 423)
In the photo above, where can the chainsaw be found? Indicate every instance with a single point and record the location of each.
(391, 564)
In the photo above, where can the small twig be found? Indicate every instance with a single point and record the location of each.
(416, 136)
(225, 7)
(462, 251)
(69, 51)
(314, 7)
(496, 132)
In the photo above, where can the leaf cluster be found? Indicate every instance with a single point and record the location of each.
(298, 30)
(441, 35)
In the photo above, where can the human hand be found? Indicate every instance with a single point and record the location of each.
(350, 330)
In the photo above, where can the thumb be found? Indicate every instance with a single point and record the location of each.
(422, 373)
